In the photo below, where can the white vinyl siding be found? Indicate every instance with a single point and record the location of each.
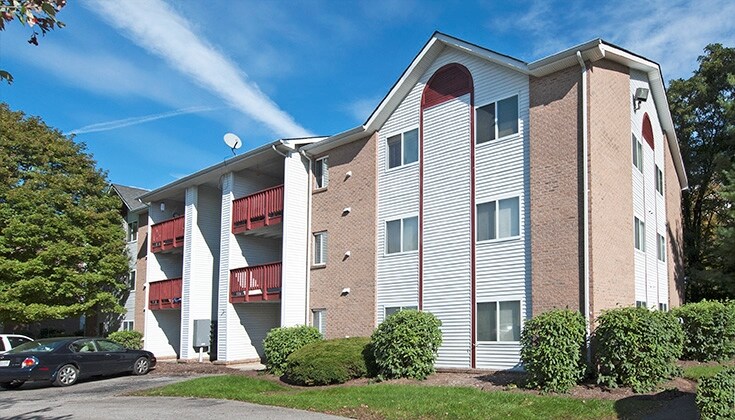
(320, 248)
(321, 172)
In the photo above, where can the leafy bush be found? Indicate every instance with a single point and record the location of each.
(553, 350)
(716, 396)
(636, 347)
(709, 330)
(406, 344)
(279, 343)
(331, 362)
(129, 339)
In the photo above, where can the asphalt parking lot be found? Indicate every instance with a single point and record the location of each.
(104, 399)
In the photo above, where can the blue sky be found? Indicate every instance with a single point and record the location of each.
(152, 86)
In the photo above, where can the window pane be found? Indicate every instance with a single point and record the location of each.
(486, 322)
(318, 173)
(391, 310)
(321, 172)
(639, 152)
(508, 116)
(636, 233)
(320, 248)
(486, 221)
(411, 234)
(642, 239)
(411, 146)
(485, 123)
(393, 236)
(510, 321)
(319, 320)
(508, 218)
(394, 151)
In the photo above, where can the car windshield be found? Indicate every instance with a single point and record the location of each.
(45, 346)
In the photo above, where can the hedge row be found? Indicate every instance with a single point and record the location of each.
(709, 330)
(716, 396)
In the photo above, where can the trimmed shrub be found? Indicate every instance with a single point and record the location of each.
(130, 339)
(406, 345)
(636, 347)
(552, 350)
(279, 343)
(716, 396)
(330, 362)
(709, 330)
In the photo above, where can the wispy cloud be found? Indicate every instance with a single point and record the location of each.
(127, 122)
(361, 109)
(156, 27)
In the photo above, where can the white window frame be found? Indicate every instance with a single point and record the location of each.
(497, 320)
(398, 309)
(663, 307)
(323, 249)
(659, 180)
(402, 251)
(660, 247)
(128, 325)
(641, 304)
(319, 320)
(133, 231)
(323, 163)
(403, 149)
(639, 234)
(132, 274)
(497, 201)
(497, 137)
(637, 153)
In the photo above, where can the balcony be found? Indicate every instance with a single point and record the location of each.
(165, 294)
(167, 235)
(263, 208)
(256, 283)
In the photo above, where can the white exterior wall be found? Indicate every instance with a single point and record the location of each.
(132, 255)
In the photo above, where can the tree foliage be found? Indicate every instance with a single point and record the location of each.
(704, 118)
(62, 247)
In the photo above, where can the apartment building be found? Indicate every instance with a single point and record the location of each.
(483, 189)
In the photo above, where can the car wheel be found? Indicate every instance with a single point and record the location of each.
(141, 366)
(66, 376)
(11, 384)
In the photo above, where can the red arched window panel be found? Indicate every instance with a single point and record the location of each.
(449, 82)
(648, 130)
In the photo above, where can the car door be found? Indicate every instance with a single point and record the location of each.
(115, 356)
(85, 355)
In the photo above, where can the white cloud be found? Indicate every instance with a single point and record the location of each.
(361, 109)
(156, 27)
(127, 122)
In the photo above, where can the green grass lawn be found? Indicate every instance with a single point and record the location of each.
(702, 371)
(391, 401)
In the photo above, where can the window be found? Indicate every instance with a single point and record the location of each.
(640, 304)
(319, 320)
(321, 172)
(320, 248)
(390, 310)
(663, 307)
(639, 228)
(402, 235)
(493, 125)
(107, 345)
(403, 148)
(637, 154)
(128, 325)
(15, 341)
(131, 280)
(661, 248)
(498, 219)
(499, 321)
(659, 181)
(132, 231)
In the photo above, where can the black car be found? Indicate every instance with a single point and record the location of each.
(63, 361)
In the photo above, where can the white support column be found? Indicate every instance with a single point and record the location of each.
(191, 215)
(224, 309)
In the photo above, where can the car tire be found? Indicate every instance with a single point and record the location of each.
(11, 384)
(67, 375)
(141, 366)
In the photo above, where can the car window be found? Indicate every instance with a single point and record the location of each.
(44, 346)
(106, 345)
(83, 346)
(17, 341)
(2, 344)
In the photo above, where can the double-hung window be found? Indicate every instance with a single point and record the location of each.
(320, 248)
(131, 280)
(321, 172)
(128, 325)
(498, 219)
(639, 228)
(637, 154)
(403, 148)
(497, 119)
(499, 321)
(402, 235)
(659, 181)
(390, 310)
(661, 248)
(319, 320)
(132, 231)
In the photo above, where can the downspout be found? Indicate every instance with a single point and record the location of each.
(586, 206)
(308, 241)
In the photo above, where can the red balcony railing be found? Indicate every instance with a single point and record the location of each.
(164, 294)
(263, 208)
(167, 235)
(256, 283)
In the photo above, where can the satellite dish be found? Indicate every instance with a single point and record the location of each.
(232, 141)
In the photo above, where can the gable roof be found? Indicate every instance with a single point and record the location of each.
(129, 196)
(590, 51)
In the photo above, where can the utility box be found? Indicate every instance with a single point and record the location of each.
(201, 333)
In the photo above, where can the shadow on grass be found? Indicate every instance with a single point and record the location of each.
(665, 405)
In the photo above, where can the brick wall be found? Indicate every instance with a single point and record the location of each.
(556, 261)
(140, 272)
(674, 231)
(612, 277)
(353, 314)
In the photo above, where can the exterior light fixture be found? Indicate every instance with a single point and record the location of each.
(641, 95)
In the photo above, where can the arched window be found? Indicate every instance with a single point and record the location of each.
(449, 82)
(647, 130)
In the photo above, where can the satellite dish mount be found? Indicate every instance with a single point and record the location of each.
(233, 142)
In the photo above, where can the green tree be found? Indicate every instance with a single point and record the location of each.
(40, 14)
(62, 247)
(724, 254)
(704, 118)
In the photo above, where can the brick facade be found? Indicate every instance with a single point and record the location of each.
(352, 314)
(674, 231)
(140, 272)
(555, 147)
